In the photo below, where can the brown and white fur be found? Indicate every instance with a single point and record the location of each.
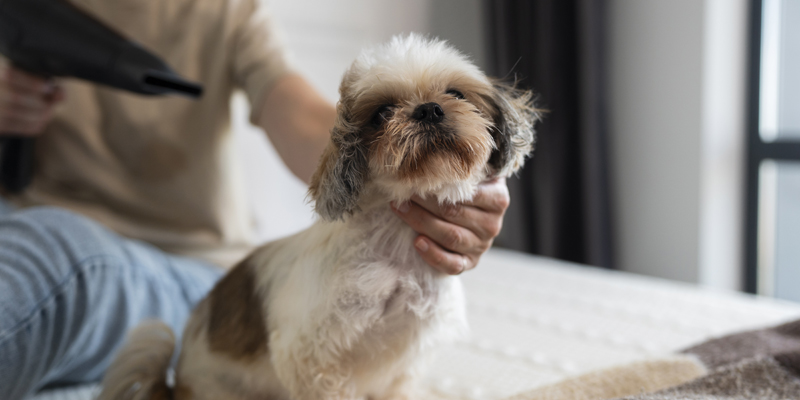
(347, 309)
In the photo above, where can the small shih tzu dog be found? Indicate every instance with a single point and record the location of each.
(347, 309)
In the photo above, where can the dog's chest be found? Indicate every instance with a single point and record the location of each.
(403, 309)
(387, 273)
(388, 292)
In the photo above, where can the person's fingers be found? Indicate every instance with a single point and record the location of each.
(485, 225)
(443, 260)
(26, 82)
(454, 236)
(17, 126)
(450, 236)
(492, 196)
(19, 120)
(27, 102)
(14, 100)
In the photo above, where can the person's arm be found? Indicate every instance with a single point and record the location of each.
(452, 239)
(298, 121)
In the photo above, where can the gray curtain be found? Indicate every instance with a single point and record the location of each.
(560, 201)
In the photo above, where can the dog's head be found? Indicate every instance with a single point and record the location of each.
(415, 116)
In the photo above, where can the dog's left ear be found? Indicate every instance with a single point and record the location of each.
(339, 179)
(514, 116)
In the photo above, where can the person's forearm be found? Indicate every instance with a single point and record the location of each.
(298, 121)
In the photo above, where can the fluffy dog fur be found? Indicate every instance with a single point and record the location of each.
(347, 309)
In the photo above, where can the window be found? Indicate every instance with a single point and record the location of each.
(773, 187)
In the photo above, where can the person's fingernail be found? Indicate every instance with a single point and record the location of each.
(402, 207)
(422, 245)
(49, 87)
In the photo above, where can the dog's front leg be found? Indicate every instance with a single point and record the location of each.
(330, 352)
(402, 388)
(319, 366)
(307, 376)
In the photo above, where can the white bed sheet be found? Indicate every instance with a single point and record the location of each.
(536, 320)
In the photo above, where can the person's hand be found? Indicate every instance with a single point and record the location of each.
(26, 102)
(453, 237)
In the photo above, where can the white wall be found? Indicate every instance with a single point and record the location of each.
(677, 83)
(722, 195)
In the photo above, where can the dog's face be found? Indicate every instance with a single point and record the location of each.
(416, 117)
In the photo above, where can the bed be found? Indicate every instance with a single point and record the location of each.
(536, 321)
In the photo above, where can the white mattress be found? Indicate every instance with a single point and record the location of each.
(535, 321)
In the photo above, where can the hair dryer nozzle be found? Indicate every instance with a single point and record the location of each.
(165, 82)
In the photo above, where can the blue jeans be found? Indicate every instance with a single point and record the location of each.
(71, 289)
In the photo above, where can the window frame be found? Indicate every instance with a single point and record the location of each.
(757, 149)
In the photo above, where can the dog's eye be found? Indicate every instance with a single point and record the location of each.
(382, 115)
(456, 94)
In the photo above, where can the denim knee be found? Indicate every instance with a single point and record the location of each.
(76, 235)
(70, 289)
(50, 261)
(40, 249)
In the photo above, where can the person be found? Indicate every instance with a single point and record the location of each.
(135, 211)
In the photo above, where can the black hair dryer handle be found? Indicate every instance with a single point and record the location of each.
(16, 162)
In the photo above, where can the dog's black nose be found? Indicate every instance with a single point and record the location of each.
(428, 112)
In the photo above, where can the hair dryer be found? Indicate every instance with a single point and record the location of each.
(53, 38)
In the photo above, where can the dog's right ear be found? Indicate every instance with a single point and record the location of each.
(513, 131)
(342, 171)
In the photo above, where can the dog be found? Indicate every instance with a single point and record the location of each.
(347, 309)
